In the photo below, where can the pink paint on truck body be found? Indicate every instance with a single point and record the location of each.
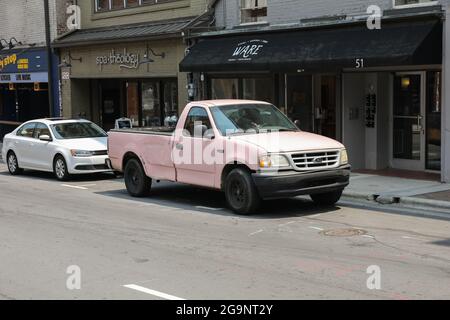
(273, 158)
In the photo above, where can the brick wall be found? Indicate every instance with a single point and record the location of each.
(291, 11)
(25, 20)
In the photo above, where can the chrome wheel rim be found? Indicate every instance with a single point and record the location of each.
(12, 163)
(60, 168)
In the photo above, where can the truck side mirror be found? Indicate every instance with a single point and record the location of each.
(297, 123)
(209, 134)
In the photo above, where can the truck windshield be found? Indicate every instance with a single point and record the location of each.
(77, 130)
(250, 118)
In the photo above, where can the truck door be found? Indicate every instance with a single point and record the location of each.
(191, 155)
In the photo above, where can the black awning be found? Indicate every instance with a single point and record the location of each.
(395, 44)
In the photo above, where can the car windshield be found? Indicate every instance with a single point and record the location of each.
(77, 130)
(250, 118)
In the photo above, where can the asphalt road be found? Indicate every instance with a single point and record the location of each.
(182, 243)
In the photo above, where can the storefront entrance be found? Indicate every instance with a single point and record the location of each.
(408, 132)
(416, 133)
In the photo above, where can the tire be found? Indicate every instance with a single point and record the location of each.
(327, 199)
(60, 169)
(136, 181)
(13, 164)
(240, 192)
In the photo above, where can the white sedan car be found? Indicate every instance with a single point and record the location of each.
(64, 147)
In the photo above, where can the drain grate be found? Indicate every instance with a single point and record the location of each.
(343, 232)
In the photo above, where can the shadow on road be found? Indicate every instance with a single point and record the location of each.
(187, 197)
(49, 176)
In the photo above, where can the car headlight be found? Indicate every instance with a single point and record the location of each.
(344, 157)
(273, 161)
(81, 153)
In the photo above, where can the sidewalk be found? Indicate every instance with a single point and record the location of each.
(394, 190)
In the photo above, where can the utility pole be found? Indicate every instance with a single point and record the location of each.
(48, 41)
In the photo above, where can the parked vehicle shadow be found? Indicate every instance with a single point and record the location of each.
(187, 197)
(40, 175)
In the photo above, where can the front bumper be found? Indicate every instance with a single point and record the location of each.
(82, 165)
(292, 183)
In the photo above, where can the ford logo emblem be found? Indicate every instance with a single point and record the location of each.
(318, 160)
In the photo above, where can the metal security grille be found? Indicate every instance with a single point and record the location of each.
(316, 160)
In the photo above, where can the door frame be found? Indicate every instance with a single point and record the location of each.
(405, 164)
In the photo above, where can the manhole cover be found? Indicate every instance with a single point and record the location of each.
(343, 232)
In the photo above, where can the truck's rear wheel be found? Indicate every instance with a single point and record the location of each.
(136, 181)
(327, 199)
(241, 193)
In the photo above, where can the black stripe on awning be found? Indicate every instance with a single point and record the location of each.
(395, 44)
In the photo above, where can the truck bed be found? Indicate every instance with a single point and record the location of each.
(165, 131)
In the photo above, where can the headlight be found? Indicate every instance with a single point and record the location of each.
(344, 157)
(81, 153)
(273, 161)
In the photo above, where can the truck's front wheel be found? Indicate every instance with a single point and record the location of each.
(327, 199)
(136, 181)
(241, 193)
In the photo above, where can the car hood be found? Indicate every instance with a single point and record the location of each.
(88, 144)
(275, 142)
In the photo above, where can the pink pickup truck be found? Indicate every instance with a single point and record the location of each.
(248, 149)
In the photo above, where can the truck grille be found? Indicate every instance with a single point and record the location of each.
(316, 160)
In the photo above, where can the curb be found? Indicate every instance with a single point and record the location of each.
(407, 201)
(437, 204)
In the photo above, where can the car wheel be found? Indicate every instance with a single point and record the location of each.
(327, 199)
(240, 192)
(13, 164)
(136, 181)
(60, 169)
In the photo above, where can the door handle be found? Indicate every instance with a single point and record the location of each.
(179, 146)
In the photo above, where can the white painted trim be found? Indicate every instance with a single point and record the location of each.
(413, 5)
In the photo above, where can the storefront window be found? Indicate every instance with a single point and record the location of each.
(224, 88)
(299, 101)
(151, 107)
(133, 102)
(170, 102)
(433, 119)
(132, 3)
(260, 89)
(117, 4)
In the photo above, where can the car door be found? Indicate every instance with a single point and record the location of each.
(42, 151)
(21, 144)
(193, 149)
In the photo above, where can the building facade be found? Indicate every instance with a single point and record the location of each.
(373, 77)
(24, 63)
(123, 61)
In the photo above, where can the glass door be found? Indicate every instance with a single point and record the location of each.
(408, 133)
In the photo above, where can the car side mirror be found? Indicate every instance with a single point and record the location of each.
(45, 137)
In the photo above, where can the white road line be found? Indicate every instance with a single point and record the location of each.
(286, 224)
(209, 208)
(368, 236)
(314, 216)
(316, 228)
(88, 185)
(152, 292)
(411, 238)
(74, 187)
(256, 232)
